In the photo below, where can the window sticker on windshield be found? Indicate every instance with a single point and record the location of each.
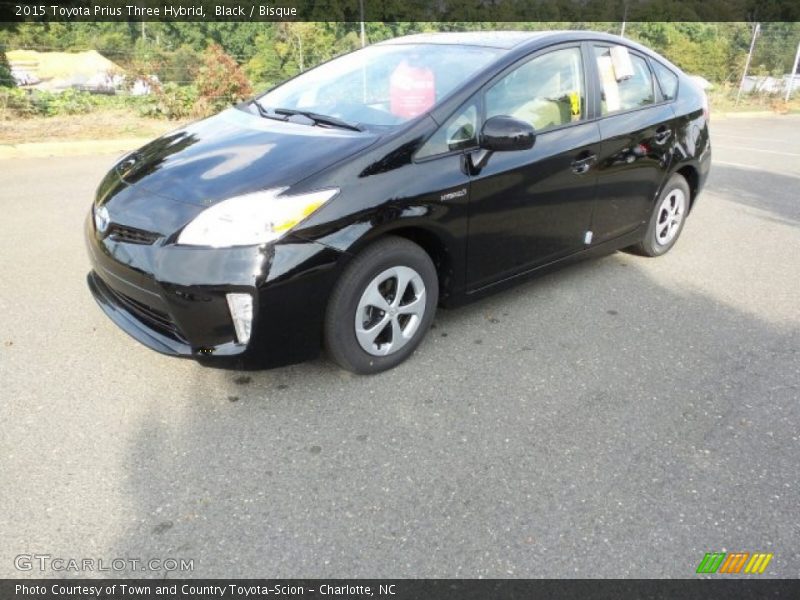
(412, 90)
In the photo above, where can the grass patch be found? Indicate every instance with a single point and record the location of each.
(722, 99)
(103, 124)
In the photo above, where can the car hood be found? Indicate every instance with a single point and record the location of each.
(233, 153)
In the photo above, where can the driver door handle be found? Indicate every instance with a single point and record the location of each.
(583, 163)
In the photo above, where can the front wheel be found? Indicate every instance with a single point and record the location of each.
(381, 307)
(668, 218)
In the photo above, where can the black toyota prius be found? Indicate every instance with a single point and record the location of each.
(340, 208)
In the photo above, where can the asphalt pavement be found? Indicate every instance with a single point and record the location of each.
(619, 418)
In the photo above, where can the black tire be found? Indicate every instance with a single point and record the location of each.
(650, 244)
(341, 341)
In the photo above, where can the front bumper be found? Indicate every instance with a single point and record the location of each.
(173, 298)
(143, 323)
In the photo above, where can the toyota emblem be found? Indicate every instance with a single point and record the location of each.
(101, 219)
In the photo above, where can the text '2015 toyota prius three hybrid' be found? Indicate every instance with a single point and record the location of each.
(340, 208)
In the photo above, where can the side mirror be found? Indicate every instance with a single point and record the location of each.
(501, 134)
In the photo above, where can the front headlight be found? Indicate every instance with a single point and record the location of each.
(252, 219)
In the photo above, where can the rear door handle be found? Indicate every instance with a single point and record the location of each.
(583, 164)
(662, 135)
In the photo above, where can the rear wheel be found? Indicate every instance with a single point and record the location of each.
(381, 307)
(667, 220)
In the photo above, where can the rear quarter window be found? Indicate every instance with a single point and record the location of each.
(667, 80)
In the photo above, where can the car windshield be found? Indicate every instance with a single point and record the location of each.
(379, 86)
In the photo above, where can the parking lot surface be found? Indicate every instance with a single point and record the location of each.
(619, 418)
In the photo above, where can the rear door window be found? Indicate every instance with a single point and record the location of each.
(623, 89)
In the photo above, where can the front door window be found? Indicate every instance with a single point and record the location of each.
(546, 92)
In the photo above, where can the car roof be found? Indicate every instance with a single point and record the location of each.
(520, 40)
(490, 39)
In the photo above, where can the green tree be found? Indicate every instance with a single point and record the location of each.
(6, 80)
(179, 66)
(287, 49)
(776, 46)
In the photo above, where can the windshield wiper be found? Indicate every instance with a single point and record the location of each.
(265, 113)
(282, 114)
(318, 118)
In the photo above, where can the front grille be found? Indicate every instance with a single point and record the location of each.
(160, 321)
(131, 235)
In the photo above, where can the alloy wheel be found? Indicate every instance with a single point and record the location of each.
(390, 311)
(670, 216)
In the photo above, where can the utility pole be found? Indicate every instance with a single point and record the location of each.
(624, 20)
(363, 66)
(300, 45)
(747, 64)
(790, 83)
(363, 33)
